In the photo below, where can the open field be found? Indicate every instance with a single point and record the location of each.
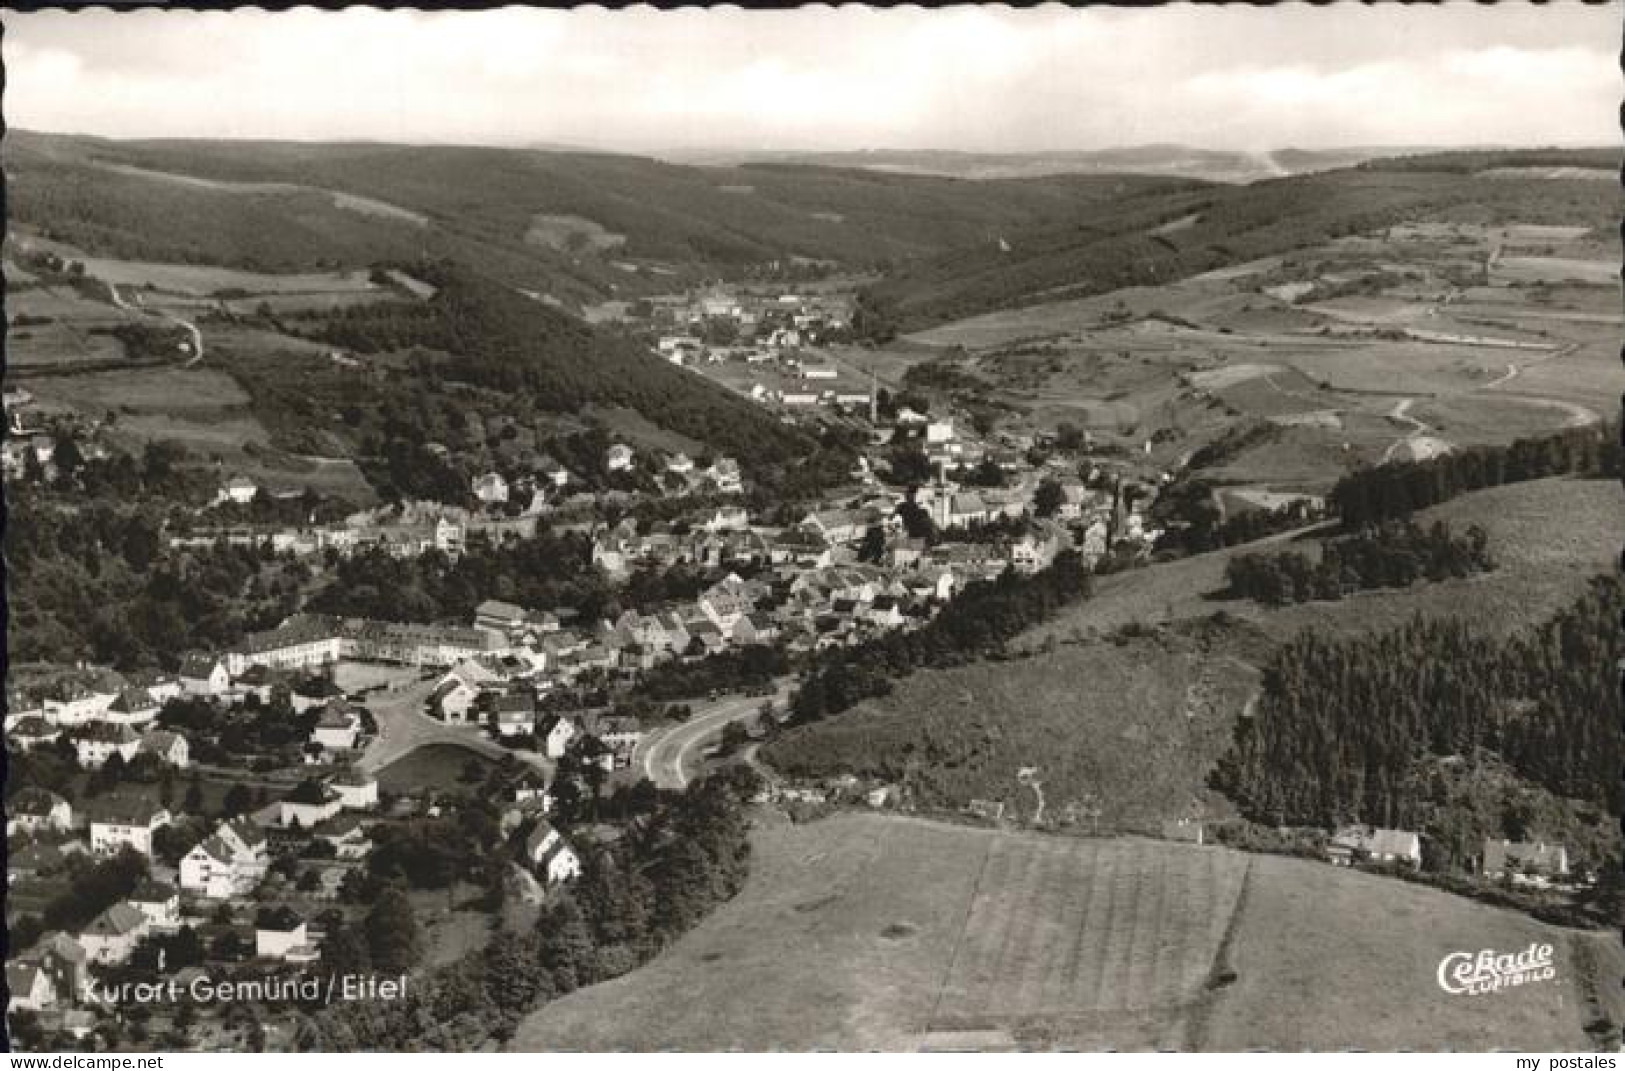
(881, 933)
(436, 767)
(1543, 563)
(199, 279)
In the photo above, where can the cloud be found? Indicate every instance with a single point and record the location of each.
(1043, 78)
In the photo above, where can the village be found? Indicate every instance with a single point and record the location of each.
(244, 787)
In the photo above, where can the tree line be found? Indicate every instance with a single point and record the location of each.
(1393, 490)
(1395, 554)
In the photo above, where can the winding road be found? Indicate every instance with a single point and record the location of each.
(191, 328)
(671, 758)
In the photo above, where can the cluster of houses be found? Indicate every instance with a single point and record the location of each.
(326, 822)
(1538, 863)
(101, 717)
(544, 486)
(761, 324)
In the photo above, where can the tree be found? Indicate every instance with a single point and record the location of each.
(1048, 498)
(193, 804)
(393, 939)
(238, 800)
(873, 547)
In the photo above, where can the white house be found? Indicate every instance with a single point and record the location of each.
(100, 741)
(556, 732)
(491, 488)
(125, 822)
(619, 458)
(170, 747)
(550, 855)
(37, 810)
(160, 902)
(310, 803)
(30, 987)
(279, 933)
(204, 675)
(358, 791)
(113, 935)
(227, 863)
(337, 729)
(239, 489)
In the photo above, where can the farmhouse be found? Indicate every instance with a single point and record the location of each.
(619, 458)
(1353, 844)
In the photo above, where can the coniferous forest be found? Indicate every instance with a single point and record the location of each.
(1390, 555)
(1386, 492)
(1345, 727)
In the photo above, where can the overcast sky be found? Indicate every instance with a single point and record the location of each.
(967, 78)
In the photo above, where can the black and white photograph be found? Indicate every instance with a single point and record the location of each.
(814, 530)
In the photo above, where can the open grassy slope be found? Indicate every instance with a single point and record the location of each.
(870, 932)
(1134, 726)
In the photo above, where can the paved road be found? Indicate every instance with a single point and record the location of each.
(403, 727)
(671, 758)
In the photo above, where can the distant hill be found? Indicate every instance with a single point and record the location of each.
(581, 226)
(1183, 161)
(1159, 239)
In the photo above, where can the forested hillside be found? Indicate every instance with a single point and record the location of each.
(1129, 245)
(572, 223)
(1356, 728)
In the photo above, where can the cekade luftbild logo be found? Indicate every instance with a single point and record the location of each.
(1476, 973)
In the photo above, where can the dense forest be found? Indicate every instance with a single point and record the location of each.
(1119, 246)
(100, 585)
(1394, 490)
(1390, 555)
(634, 897)
(500, 340)
(981, 618)
(1364, 728)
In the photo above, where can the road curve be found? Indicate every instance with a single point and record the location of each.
(671, 758)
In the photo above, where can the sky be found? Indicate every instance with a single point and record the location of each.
(970, 78)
